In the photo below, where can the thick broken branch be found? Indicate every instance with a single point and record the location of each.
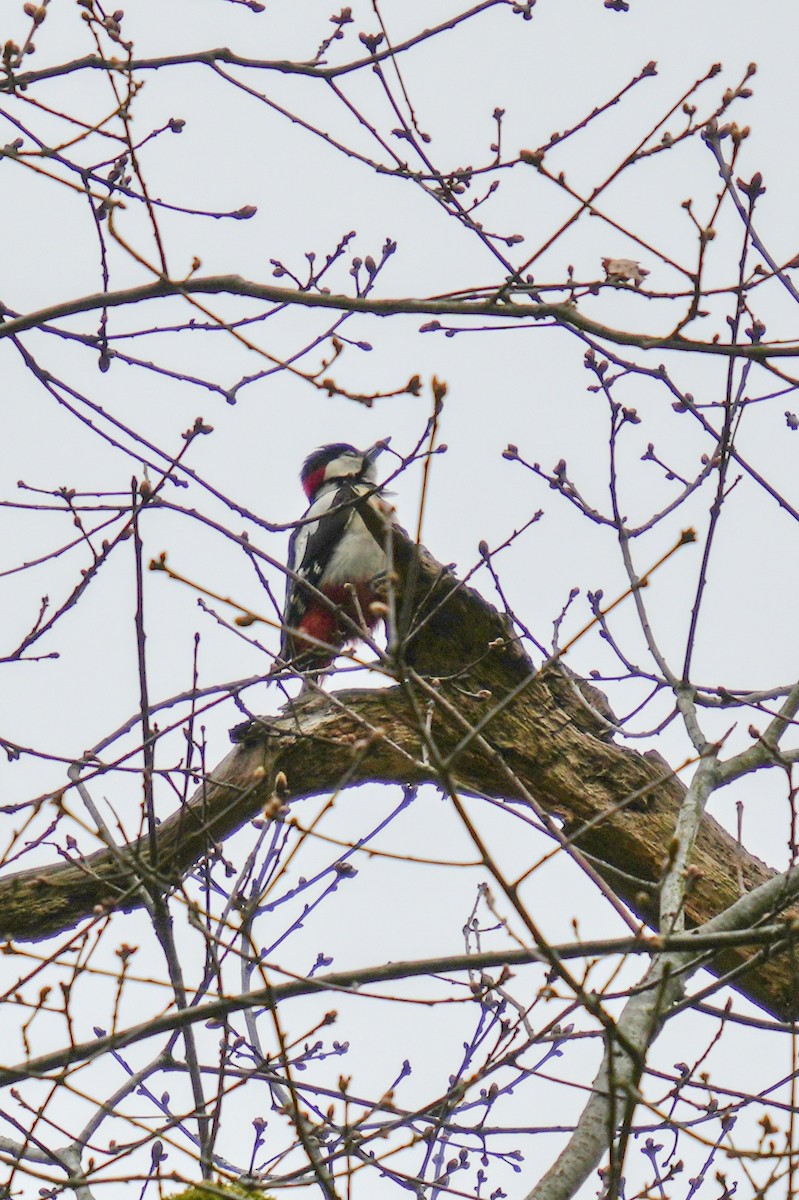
(548, 737)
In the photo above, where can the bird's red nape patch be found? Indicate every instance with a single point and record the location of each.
(313, 481)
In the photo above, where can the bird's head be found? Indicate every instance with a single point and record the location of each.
(339, 461)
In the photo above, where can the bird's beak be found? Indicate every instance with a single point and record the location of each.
(375, 451)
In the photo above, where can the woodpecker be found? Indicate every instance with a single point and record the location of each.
(333, 550)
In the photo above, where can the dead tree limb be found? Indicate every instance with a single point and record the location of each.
(555, 747)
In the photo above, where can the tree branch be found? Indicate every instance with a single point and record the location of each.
(481, 310)
(553, 745)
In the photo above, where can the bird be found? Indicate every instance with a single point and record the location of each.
(334, 552)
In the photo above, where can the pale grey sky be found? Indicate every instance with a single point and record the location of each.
(527, 387)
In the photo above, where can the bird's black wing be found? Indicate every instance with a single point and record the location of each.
(310, 549)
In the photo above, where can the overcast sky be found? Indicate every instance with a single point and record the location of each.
(524, 386)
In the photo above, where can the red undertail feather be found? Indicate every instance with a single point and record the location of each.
(324, 624)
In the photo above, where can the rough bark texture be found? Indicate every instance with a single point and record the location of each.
(548, 736)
